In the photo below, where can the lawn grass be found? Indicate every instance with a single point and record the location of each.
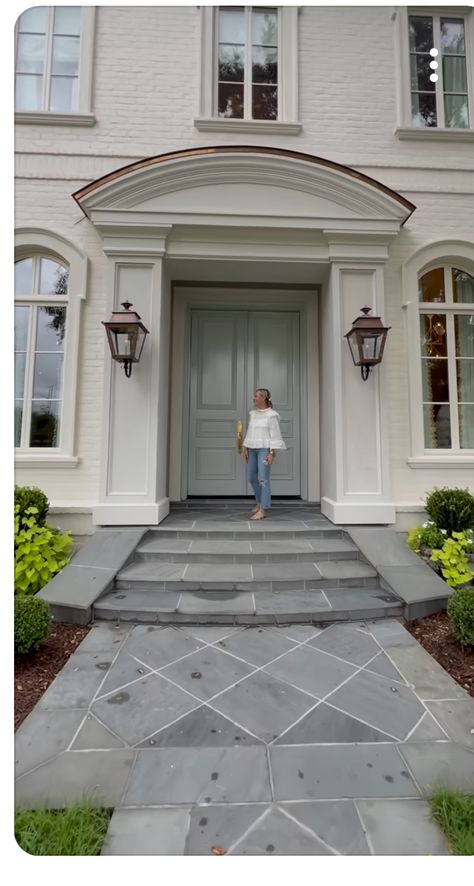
(77, 830)
(454, 812)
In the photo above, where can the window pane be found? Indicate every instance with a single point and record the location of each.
(67, 20)
(463, 287)
(231, 101)
(420, 73)
(455, 111)
(454, 74)
(264, 102)
(264, 65)
(231, 63)
(21, 326)
(435, 380)
(24, 276)
(28, 92)
(431, 286)
(30, 54)
(452, 36)
(18, 420)
(464, 335)
(437, 426)
(45, 423)
(265, 27)
(423, 110)
(20, 362)
(433, 335)
(465, 376)
(66, 56)
(51, 328)
(421, 33)
(53, 278)
(34, 20)
(64, 94)
(47, 382)
(231, 26)
(466, 427)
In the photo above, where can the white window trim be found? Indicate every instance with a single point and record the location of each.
(404, 129)
(207, 120)
(456, 254)
(83, 116)
(34, 241)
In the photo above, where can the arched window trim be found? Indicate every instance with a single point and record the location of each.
(28, 243)
(447, 254)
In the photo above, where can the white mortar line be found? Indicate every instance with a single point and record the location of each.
(407, 766)
(366, 833)
(305, 827)
(415, 726)
(264, 814)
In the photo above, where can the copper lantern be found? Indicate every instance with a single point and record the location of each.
(366, 341)
(126, 336)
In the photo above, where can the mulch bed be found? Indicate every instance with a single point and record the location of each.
(435, 634)
(36, 670)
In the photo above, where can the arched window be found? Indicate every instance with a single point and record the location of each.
(446, 306)
(50, 283)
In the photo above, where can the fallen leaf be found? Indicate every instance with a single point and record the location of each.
(218, 850)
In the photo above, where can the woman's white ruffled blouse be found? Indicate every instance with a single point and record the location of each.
(263, 431)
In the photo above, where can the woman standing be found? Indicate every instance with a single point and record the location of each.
(262, 439)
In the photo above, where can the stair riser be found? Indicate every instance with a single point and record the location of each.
(300, 557)
(252, 586)
(244, 535)
(153, 617)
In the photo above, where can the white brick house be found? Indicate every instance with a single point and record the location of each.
(248, 178)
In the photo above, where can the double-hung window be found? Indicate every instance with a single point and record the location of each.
(247, 63)
(446, 306)
(53, 65)
(41, 296)
(438, 71)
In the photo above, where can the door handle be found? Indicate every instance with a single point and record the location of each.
(240, 436)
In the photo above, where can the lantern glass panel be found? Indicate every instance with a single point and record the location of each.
(124, 343)
(371, 346)
(140, 342)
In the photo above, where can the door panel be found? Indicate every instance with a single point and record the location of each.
(232, 353)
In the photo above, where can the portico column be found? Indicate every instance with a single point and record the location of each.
(355, 480)
(135, 430)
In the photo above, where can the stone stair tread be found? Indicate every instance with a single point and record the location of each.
(162, 570)
(235, 547)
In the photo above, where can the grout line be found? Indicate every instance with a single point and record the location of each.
(257, 821)
(312, 833)
(407, 765)
(364, 829)
(415, 727)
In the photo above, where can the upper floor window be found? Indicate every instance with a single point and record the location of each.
(446, 305)
(47, 59)
(41, 295)
(438, 71)
(247, 63)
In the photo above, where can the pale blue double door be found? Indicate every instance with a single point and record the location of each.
(232, 353)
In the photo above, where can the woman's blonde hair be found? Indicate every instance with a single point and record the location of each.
(266, 393)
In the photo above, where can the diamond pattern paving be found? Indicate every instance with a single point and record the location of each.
(207, 672)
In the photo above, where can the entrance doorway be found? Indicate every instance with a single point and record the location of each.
(232, 353)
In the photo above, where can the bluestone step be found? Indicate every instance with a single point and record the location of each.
(211, 550)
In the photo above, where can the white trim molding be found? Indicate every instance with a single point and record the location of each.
(37, 241)
(358, 512)
(49, 118)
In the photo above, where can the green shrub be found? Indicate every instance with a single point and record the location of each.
(453, 558)
(32, 623)
(451, 509)
(32, 497)
(460, 611)
(40, 552)
(427, 535)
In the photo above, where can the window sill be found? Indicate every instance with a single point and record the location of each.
(221, 124)
(434, 134)
(437, 461)
(30, 460)
(49, 118)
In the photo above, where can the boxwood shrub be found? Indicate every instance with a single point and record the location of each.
(32, 623)
(460, 611)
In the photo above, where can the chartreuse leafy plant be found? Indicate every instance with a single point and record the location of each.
(453, 559)
(76, 830)
(32, 497)
(460, 609)
(32, 623)
(40, 552)
(427, 535)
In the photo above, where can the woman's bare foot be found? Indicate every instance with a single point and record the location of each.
(259, 515)
(255, 508)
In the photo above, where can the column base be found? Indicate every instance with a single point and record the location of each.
(370, 513)
(132, 514)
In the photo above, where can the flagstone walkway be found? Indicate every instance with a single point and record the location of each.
(297, 740)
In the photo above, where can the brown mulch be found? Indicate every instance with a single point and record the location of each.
(36, 670)
(435, 634)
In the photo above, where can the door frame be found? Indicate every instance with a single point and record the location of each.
(245, 297)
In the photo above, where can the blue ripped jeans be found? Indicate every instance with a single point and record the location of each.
(259, 476)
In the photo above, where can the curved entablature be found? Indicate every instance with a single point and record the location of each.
(246, 181)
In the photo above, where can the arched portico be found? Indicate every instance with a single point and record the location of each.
(243, 212)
